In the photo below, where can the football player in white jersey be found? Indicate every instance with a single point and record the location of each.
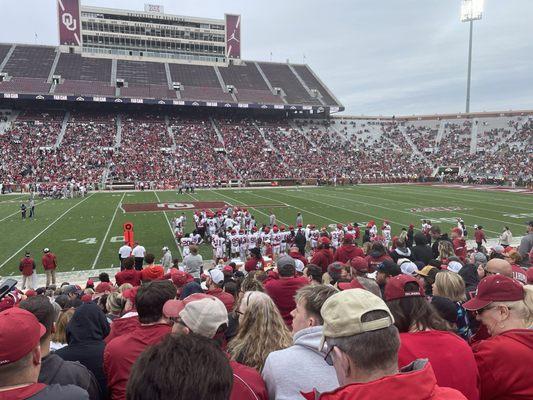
(243, 244)
(186, 242)
(336, 236)
(253, 239)
(314, 235)
(275, 240)
(211, 223)
(373, 229)
(235, 240)
(219, 245)
(386, 231)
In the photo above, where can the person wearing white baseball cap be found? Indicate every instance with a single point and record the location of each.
(215, 285)
(362, 344)
(49, 262)
(166, 260)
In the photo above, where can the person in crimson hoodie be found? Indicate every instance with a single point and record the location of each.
(348, 250)
(215, 283)
(255, 261)
(323, 256)
(459, 243)
(151, 272)
(295, 253)
(282, 290)
(49, 262)
(362, 344)
(122, 352)
(479, 236)
(129, 320)
(378, 254)
(27, 267)
(425, 334)
(129, 274)
(505, 308)
(247, 382)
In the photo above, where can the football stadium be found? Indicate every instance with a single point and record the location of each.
(180, 221)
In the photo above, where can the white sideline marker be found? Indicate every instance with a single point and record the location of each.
(107, 232)
(45, 229)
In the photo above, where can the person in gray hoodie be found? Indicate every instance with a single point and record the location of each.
(302, 367)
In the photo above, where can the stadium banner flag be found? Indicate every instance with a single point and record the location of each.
(233, 36)
(69, 22)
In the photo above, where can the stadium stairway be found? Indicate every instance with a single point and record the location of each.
(171, 133)
(63, 129)
(415, 149)
(7, 124)
(118, 137)
(267, 141)
(217, 131)
(306, 87)
(304, 133)
(473, 136)
(440, 133)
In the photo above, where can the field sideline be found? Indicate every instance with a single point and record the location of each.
(85, 232)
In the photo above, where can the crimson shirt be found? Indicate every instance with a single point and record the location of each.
(128, 276)
(346, 252)
(322, 258)
(247, 383)
(282, 292)
(49, 261)
(121, 326)
(450, 356)
(121, 352)
(224, 297)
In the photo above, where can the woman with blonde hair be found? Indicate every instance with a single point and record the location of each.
(505, 307)
(59, 337)
(115, 305)
(261, 331)
(125, 286)
(452, 286)
(445, 251)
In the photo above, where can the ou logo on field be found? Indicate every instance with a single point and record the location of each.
(69, 21)
(175, 206)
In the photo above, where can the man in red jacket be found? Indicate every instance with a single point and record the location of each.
(295, 253)
(128, 274)
(348, 250)
(121, 353)
(27, 267)
(49, 261)
(206, 316)
(282, 290)
(215, 283)
(323, 255)
(459, 243)
(362, 345)
(479, 236)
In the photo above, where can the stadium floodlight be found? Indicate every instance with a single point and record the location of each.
(471, 10)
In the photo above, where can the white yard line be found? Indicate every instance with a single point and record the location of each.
(18, 211)
(253, 208)
(45, 229)
(119, 205)
(11, 198)
(170, 226)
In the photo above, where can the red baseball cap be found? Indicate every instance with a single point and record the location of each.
(348, 237)
(103, 287)
(180, 278)
(495, 288)
(172, 308)
(14, 322)
(324, 240)
(30, 293)
(86, 298)
(395, 288)
(353, 284)
(359, 264)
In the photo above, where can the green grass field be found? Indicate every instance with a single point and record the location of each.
(85, 233)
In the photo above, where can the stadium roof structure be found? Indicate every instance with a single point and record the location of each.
(32, 72)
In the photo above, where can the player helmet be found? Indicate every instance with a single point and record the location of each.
(282, 227)
(275, 228)
(339, 226)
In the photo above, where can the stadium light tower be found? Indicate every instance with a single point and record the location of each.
(471, 10)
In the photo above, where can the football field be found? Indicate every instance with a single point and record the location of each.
(85, 233)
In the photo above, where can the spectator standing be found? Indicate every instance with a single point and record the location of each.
(323, 256)
(301, 367)
(54, 370)
(421, 251)
(282, 290)
(121, 353)
(139, 253)
(152, 271)
(362, 345)
(49, 262)
(166, 260)
(86, 332)
(421, 327)
(479, 236)
(300, 239)
(526, 245)
(123, 253)
(129, 274)
(27, 267)
(194, 263)
(21, 360)
(505, 308)
(506, 237)
(348, 250)
(437, 236)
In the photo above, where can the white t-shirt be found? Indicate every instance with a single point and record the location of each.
(138, 251)
(124, 251)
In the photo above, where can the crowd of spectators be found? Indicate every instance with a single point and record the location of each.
(380, 323)
(181, 150)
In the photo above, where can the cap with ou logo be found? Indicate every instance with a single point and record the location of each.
(204, 316)
(343, 312)
(13, 323)
(395, 288)
(495, 288)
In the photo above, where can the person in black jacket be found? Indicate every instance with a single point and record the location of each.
(300, 240)
(86, 332)
(410, 236)
(421, 252)
(53, 368)
(438, 237)
(400, 251)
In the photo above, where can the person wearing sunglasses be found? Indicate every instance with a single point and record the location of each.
(362, 345)
(505, 308)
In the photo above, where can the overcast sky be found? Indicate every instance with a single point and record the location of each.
(378, 57)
